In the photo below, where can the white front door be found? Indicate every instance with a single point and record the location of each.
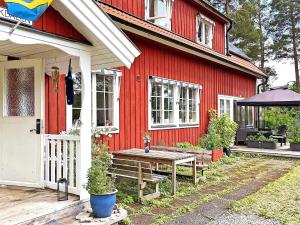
(21, 88)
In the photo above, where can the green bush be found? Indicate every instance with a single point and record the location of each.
(224, 127)
(99, 179)
(261, 138)
(188, 145)
(211, 141)
(277, 116)
(294, 133)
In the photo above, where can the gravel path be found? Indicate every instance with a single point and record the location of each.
(240, 219)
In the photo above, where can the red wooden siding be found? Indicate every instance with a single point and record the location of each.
(164, 62)
(184, 23)
(51, 21)
(161, 61)
(55, 106)
(183, 19)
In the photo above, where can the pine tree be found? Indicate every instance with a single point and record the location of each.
(285, 32)
(245, 35)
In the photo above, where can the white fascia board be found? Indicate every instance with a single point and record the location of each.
(26, 37)
(103, 29)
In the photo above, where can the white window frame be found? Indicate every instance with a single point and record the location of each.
(168, 13)
(205, 21)
(231, 99)
(116, 104)
(176, 92)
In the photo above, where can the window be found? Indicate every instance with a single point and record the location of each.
(204, 30)
(162, 104)
(173, 103)
(159, 12)
(105, 101)
(187, 105)
(228, 105)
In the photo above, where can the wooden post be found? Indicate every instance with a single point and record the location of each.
(174, 177)
(140, 182)
(84, 159)
(195, 171)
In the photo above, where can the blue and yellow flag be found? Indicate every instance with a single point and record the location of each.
(27, 9)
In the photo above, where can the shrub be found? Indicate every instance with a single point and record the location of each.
(99, 179)
(294, 133)
(261, 138)
(211, 141)
(188, 145)
(224, 127)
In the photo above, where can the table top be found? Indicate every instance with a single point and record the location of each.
(153, 154)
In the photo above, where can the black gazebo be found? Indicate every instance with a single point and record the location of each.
(280, 96)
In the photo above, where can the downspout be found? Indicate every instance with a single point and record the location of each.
(227, 38)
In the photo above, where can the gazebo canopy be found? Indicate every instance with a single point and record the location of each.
(280, 96)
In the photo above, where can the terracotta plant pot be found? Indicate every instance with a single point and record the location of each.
(217, 155)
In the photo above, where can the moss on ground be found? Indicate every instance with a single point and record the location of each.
(278, 200)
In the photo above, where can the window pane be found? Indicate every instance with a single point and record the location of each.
(100, 83)
(200, 32)
(207, 31)
(109, 117)
(100, 100)
(101, 118)
(19, 94)
(152, 8)
(76, 115)
(77, 99)
(109, 85)
(109, 100)
(228, 107)
(77, 81)
(222, 106)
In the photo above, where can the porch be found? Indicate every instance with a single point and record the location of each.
(28, 156)
(281, 151)
(21, 205)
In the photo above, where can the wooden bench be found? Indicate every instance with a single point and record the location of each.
(140, 171)
(203, 157)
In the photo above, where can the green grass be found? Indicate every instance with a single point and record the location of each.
(278, 200)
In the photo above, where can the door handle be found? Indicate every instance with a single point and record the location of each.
(37, 130)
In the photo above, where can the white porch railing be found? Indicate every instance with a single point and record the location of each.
(62, 160)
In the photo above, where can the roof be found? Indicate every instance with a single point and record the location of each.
(137, 25)
(281, 96)
(98, 28)
(238, 52)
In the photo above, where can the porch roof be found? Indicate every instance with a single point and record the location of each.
(109, 46)
(280, 96)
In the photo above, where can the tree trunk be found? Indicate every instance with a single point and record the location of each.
(227, 7)
(295, 50)
(261, 41)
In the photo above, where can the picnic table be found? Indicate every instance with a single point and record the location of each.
(161, 157)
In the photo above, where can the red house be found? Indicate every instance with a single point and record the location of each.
(185, 69)
(139, 66)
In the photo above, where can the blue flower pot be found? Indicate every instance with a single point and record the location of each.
(103, 205)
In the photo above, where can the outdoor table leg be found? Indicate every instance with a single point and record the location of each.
(174, 178)
(195, 171)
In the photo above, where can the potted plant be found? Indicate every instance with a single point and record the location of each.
(100, 185)
(226, 129)
(261, 141)
(252, 142)
(147, 139)
(213, 142)
(294, 137)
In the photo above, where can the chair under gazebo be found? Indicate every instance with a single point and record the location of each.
(275, 97)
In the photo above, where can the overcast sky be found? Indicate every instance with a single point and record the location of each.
(286, 72)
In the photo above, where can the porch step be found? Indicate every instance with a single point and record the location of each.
(54, 217)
